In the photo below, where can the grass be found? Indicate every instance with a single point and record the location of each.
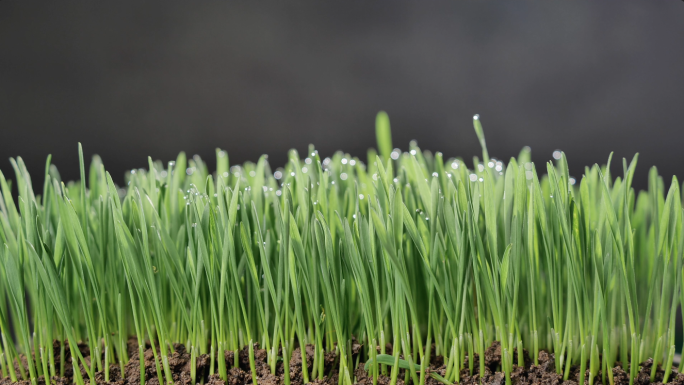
(408, 248)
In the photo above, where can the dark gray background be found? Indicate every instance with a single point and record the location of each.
(151, 78)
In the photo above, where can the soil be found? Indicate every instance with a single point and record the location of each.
(179, 363)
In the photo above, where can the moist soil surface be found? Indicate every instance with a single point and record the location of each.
(179, 362)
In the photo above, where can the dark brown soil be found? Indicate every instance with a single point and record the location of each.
(179, 362)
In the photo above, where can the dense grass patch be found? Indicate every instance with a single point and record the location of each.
(401, 251)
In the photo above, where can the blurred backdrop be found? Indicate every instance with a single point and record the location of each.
(152, 78)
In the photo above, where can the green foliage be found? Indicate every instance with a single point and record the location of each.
(406, 248)
(383, 134)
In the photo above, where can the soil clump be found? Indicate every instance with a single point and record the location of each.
(180, 366)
